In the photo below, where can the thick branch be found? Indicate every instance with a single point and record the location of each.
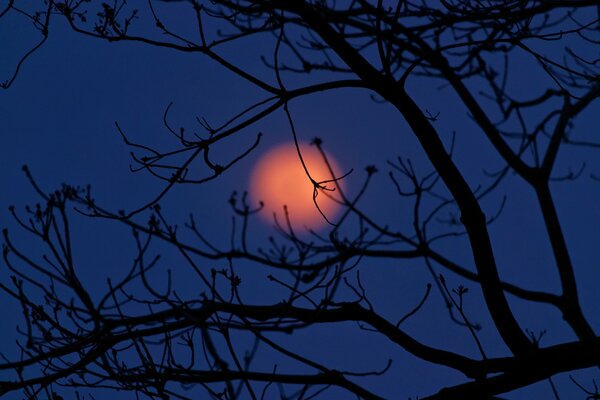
(471, 214)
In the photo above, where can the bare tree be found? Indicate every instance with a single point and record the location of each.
(158, 342)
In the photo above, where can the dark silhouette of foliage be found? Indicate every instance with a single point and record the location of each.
(151, 339)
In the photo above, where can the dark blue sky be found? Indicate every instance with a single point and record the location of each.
(59, 118)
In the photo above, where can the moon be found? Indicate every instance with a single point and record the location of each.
(278, 179)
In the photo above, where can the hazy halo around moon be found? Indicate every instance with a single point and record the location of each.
(279, 179)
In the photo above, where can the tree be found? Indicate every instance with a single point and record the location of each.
(157, 340)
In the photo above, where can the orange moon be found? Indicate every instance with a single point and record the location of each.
(278, 179)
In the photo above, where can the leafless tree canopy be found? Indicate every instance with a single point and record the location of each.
(157, 341)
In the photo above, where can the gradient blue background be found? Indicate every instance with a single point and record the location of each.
(58, 118)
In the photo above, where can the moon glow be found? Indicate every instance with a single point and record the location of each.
(278, 179)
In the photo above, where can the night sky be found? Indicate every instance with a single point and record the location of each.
(58, 118)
